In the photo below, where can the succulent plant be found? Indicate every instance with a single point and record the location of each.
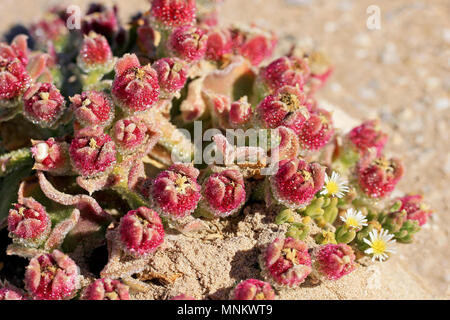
(51, 156)
(223, 193)
(106, 289)
(52, 276)
(378, 177)
(135, 87)
(29, 222)
(219, 45)
(92, 108)
(172, 75)
(333, 261)
(95, 54)
(128, 161)
(286, 262)
(296, 183)
(415, 208)
(284, 108)
(92, 152)
(10, 293)
(43, 104)
(317, 130)
(173, 13)
(14, 80)
(141, 231)
(188, 43)
(175, 192)
(253, 289)
(285, 71)
(368, 135)
(101, 20)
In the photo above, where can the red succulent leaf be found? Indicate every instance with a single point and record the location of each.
(173, 13)
(317, 130)
(141, 231)
(368, 135)
(52, 277)
(253, 289)
(92, 108)
(29, 222)
(188, 43)
(106, 289)
(378, 177)
(135, 88)
(334, 261)
(172, 75)
(286, 107)
(92, 152)
(286, 262)
(175, 192)
(224, 193)
(14, 79)
(415, 208)
(296, 182)
(43, 104)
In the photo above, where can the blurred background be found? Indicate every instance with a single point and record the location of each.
(399, 73)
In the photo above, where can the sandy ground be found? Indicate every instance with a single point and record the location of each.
(399, 73)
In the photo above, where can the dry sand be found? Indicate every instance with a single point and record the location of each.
(399, 73)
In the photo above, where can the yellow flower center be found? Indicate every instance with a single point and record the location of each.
(378, 246)
(352, 222)
(181, 184)
(140, 74)
(260, 296)
(306, 175)
(332, 187)
(291, 255)
(86, 102)
(44, 96)
(21, 211)
(93, 143)
(291, 101)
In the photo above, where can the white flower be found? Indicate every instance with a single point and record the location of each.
(354, 219)
(380, 244)
(335, 186)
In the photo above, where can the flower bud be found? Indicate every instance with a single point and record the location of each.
(253, 289)
(51, 156)
(106, 289)
(286, 262)
(296, 182)
(224, 193)
(92, 108)
(135, 88)
(188, 43)
(173, 13)
(141, 231)
(95, 54)
(29, 223)
(175, 192)
(92, 152)
(52, 277)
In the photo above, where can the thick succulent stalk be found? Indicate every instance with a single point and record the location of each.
(172, 141)
(14, 160)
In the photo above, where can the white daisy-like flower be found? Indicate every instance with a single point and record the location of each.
(380, 243)
(335, 185)
(354, 219)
